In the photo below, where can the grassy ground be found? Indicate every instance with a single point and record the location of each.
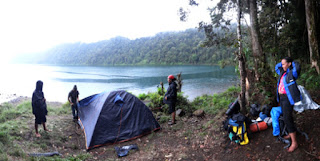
(192, 138)
(17, 136)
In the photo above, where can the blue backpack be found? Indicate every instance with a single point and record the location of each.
(237, 130)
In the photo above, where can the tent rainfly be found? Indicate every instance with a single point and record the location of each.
(117, 116)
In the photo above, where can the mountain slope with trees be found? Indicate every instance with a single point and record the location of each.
(163, 48)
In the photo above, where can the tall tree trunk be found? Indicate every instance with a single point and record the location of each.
(242, 66)
(264, 82)
(259, 57)
(312, 37)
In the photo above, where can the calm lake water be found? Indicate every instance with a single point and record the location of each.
(20, 79)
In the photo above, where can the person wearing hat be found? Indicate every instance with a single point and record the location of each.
(170, 98)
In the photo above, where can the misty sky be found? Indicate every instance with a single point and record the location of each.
(35, 25)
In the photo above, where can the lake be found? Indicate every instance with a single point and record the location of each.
(20, 79)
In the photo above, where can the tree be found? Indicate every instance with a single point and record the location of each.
(257, 52)
(242, 64)
(310, 8)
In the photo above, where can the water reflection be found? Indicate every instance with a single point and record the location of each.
(59, 80)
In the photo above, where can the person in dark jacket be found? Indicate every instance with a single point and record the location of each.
(73, 98)
(39, 107)
(170, 98)
(288, 94)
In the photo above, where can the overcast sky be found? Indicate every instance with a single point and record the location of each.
(35, 25)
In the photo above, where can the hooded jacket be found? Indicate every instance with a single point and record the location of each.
(39, 106)
(171, 94)
(289, 82)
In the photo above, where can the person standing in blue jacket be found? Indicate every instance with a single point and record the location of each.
(288, 94)
(170, 98)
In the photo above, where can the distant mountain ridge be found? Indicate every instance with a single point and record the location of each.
(166, 48)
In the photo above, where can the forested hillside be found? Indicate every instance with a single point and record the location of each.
(163, 48)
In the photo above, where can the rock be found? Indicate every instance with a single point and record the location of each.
(198, 113)
(179, 112)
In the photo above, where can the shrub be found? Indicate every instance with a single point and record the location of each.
(184, 104)
(213, 104)
(142, 96)
(309, 79)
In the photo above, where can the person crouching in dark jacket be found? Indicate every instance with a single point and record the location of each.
(288, 94)
(39, 107)
(170, 98)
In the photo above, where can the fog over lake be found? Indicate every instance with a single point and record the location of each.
(20, 79)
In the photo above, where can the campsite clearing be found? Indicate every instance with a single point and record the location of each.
(191, 138)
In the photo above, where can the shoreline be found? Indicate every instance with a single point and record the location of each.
(9, 97)
(15, 98)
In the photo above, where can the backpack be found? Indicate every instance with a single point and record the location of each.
(265, 109)
(282, 126)
(237, 130)
(233, 108)
(254, 110)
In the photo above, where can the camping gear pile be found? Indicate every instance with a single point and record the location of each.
(236, 124)
(263, 121)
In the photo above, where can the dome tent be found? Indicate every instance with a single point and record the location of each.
(114, 117)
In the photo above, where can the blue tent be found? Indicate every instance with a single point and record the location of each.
(118, 116)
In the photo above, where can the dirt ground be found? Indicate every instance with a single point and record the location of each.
(192, 138)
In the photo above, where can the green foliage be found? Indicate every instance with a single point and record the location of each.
(215, 103)
(25, 107)
(309, 79)
(184, 104)
(161, 91)
(5, 106)
(164, 118)
(163, 49)
(8, 112)
(3, 156)
(16, 151)
(142, 96)
(8, 132)
(79, 157)
(64, 109)
(4, 138)
(156, 100)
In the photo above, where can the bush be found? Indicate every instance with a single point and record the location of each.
(156, 99)
(309, 79)
(184, 104)
(142, 96)
(213, 104)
